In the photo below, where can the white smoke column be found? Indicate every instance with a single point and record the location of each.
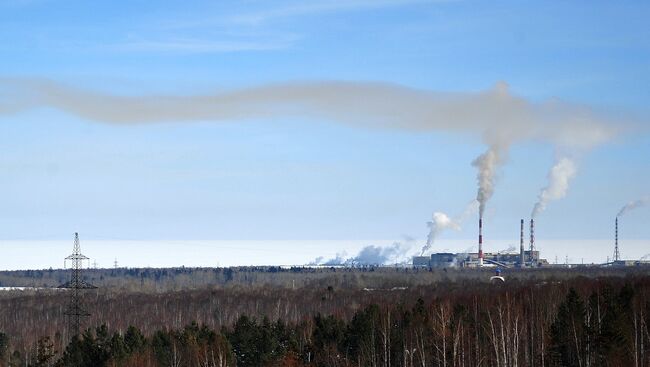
(633, 205)
(487, 165)
(441, 221)
(558, 184)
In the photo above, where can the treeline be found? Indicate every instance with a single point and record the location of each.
(581, 322)
(152, 280)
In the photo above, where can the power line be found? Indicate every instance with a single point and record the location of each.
(75, 310)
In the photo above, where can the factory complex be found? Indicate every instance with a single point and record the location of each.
(471, 260)
(525, 258)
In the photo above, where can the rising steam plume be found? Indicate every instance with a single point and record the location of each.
(487, 165)
(633, 205)
(441, 222)
(559, 178)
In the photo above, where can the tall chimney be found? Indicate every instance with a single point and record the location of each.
(617, 255)
(521, 245)
(480, 242)
(532, 241)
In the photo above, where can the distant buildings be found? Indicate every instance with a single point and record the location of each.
(624, 263)
(470, 260)
(441, 260)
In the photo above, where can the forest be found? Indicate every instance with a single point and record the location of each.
(333, 317)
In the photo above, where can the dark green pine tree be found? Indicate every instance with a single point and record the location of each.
(616, 333)
(568, 332)
(249, 343)
(4, 347)
(327, 338)
(74, 354)
(45, 353)
(361, 336)
(161, 344)
(134, 341)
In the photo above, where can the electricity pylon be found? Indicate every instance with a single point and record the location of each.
(75, 310)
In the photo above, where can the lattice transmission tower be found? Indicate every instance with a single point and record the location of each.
(531, 248)
(75, 310)
(617, 254)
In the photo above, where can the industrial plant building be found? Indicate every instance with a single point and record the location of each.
(523, 258)
(470, 260)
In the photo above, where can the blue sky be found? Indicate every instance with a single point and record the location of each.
(310, 178)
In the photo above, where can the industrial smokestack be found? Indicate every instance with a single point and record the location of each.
(532, 241)
(617, 255)
(521, 244)
(480, 242)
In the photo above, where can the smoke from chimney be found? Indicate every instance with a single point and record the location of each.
(558, 184)
(441, 222)
(633, 205)
(369, 255)
(626, 208)
(487, 165)
(498, 116)
(495, 114)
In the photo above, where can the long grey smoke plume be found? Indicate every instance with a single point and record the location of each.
(559, 178)
(634, 205)
(495, 114)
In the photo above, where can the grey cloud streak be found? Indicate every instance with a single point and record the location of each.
(497, 115)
